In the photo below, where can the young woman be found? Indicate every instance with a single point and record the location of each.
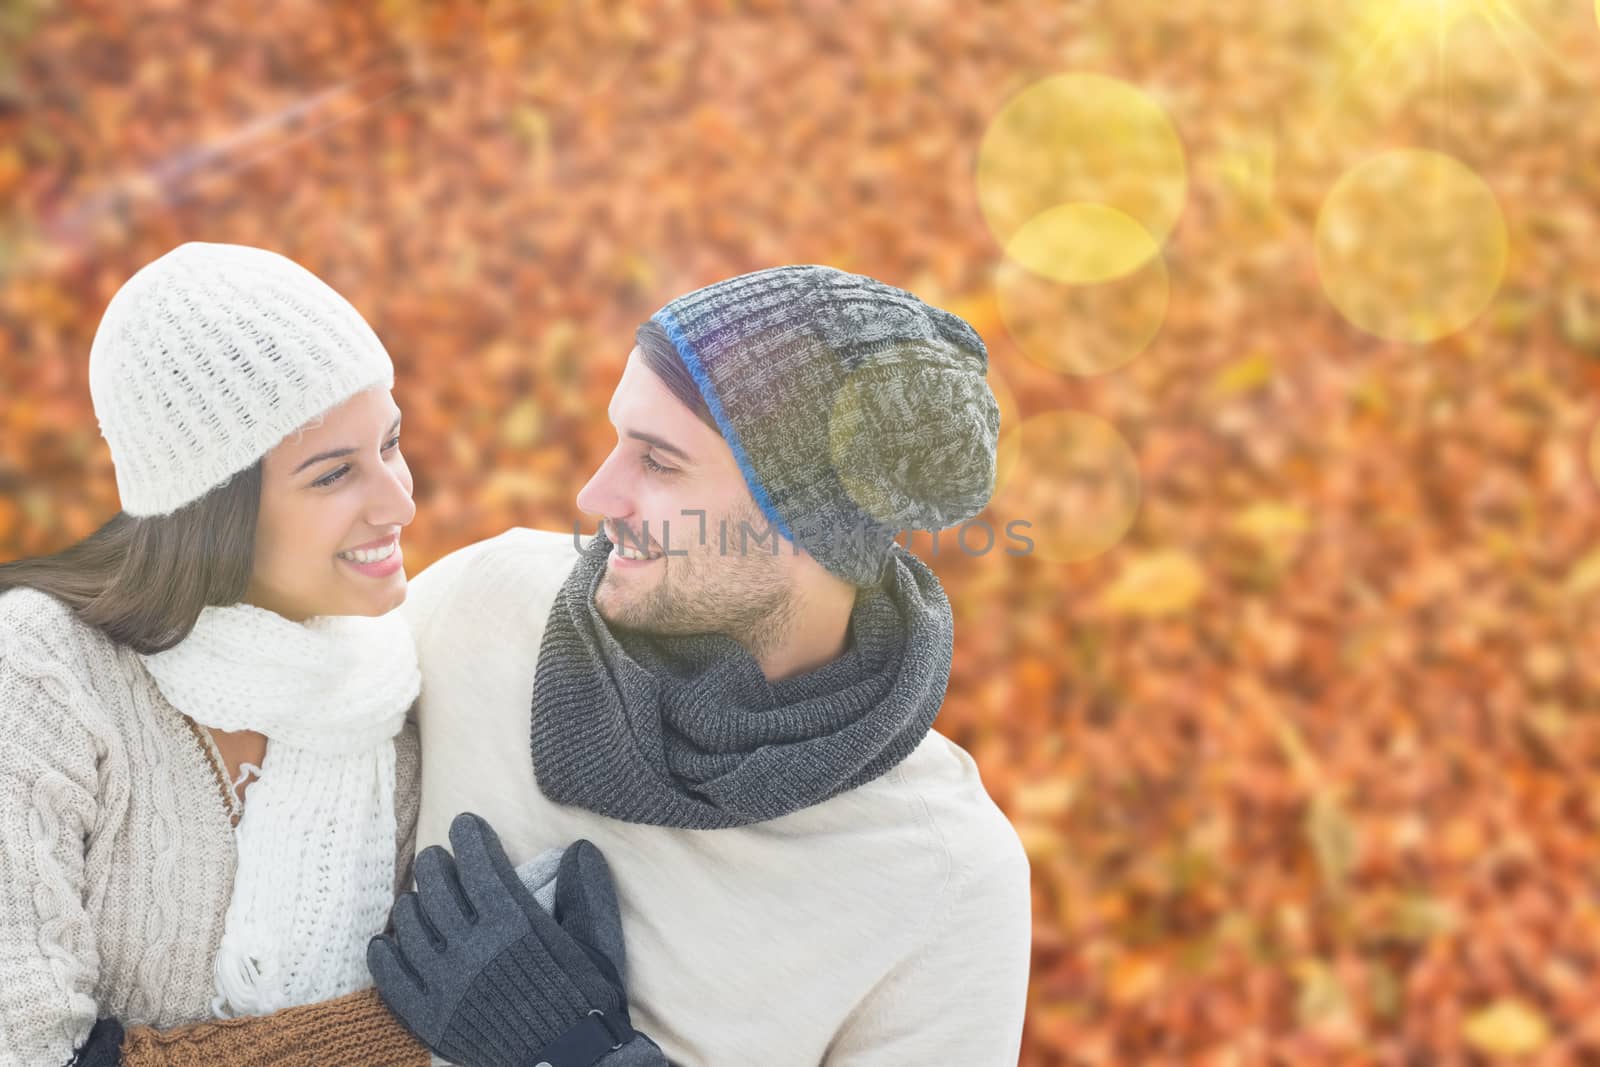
(208, 776)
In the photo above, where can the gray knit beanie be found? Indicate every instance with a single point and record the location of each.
(854, 409)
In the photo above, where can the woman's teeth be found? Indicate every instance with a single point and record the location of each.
(370, 555)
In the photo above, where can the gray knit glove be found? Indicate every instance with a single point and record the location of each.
(604, 931)
(484, 977)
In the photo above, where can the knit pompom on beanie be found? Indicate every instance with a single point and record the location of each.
(854, 409)
(210, 356)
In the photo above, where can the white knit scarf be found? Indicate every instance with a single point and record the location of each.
(316, 844)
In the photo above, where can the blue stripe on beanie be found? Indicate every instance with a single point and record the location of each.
(697, 371)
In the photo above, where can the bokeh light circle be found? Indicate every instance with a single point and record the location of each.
(1080, 138)
(1076, 484)
(1083, 329)
(1411, 245)
(1082, 244)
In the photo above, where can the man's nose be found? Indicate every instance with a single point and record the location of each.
(606, 494)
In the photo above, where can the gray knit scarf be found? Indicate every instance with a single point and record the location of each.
(686, 731)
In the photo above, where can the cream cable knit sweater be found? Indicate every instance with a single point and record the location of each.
(116, 849)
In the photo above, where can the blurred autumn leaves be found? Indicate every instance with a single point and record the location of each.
(1295, 703)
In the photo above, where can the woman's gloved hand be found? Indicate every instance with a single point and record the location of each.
(485, 977)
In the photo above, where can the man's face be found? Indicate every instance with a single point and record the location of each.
(667, 466)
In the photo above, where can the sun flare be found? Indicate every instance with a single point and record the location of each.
(1395, 24)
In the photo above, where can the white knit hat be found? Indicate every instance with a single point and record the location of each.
(211, 355)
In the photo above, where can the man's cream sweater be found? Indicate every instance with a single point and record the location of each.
(116, 839)
(887, 926)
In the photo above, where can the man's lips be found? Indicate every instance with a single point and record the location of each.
(627, 539)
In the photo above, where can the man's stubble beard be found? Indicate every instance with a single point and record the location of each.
(747, 596)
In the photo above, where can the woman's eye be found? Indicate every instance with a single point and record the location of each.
(651, 465)
(329, 479)
(334, 476)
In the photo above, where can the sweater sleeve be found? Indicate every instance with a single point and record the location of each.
(355, 1029)
(959, 996)
(48, 783)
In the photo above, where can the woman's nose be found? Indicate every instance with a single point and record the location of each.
(392, 504)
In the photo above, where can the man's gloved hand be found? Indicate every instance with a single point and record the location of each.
(485, 977)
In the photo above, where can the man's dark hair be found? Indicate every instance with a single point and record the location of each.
(661, 356)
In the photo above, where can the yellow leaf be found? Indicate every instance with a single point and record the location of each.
(640, 271)
(1584, 578)
(533, 127)
(1418, 917)
(511, 488)
(1333, 838)
(1371, 394)
(520, 427)
(1243, 375)
(1507, 1028)
(1320, 994)
(1044, 799)
(1248, 168)
(1039, 841)
(1159, 583)
(1271, 523)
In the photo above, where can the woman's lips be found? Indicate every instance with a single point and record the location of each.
(381, 568)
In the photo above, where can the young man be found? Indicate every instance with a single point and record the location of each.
(730, 689)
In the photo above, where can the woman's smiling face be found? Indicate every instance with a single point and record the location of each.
(334, 497)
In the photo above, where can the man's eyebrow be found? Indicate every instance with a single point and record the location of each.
(668, 448)
(337, 452)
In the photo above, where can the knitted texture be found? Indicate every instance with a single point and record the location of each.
(208, 357)
(116, 853)
(355, 1030)
(853, 409)
(686, 731)
(316, 844)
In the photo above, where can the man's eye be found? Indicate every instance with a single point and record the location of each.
(651, 465)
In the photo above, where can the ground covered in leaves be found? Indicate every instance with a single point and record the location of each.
(1304, 754)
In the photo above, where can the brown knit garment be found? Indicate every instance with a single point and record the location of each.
(354, 1029)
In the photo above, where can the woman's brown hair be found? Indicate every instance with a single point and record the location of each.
(142, 581)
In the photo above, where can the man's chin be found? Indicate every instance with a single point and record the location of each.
(615, 607)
